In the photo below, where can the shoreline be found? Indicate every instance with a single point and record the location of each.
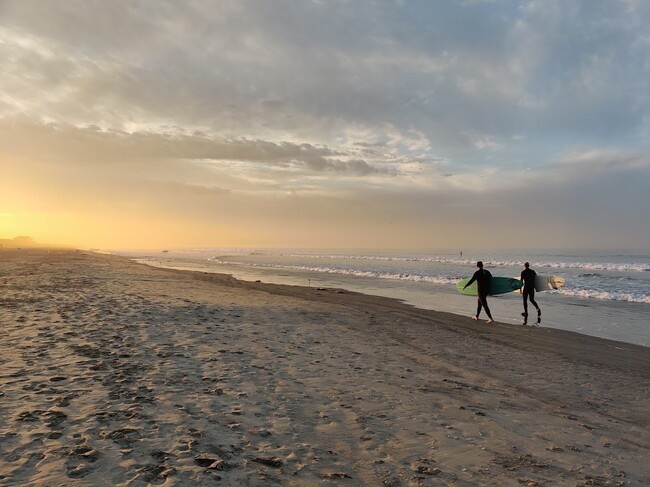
(531, 334)
(614, 320)
(120, 373)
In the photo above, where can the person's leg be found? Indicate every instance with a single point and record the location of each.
(532, 300)
(525, 295)
(478, 307)
(483, 302)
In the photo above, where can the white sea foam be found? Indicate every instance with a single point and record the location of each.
(605, 295)
(592, 266)
(363, 257)
(345, 271)
(596, 266)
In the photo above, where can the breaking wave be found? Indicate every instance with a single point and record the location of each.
(605, 295)
(347, 272)
(589, 266)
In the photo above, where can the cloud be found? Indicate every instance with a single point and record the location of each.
(313, 70)
(487, 142)
(144, 151)
(459, 103)
(606, 159)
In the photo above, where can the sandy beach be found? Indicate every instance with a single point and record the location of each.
(116, 373)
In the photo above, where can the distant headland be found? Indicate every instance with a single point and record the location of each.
(22, 242)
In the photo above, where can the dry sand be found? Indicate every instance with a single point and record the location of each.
(115, 373)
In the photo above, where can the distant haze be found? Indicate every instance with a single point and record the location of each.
(296, 123)
(20, 243)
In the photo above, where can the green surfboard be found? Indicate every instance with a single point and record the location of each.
(498, 285)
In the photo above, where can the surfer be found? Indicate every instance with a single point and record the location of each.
(482, 278)
(528, 291)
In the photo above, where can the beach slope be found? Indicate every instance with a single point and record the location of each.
(115, 373)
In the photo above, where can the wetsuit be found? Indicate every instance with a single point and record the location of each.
(482, 278)
(528, 292)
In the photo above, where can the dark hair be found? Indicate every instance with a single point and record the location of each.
(526, 265)
(479, 264)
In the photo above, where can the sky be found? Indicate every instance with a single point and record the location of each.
(326, 124)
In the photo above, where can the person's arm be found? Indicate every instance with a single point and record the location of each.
(471, 280)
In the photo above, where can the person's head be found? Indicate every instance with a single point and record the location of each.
(526, 265)
(479, 264)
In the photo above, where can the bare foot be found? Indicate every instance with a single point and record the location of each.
(490, 320)
(475, 317)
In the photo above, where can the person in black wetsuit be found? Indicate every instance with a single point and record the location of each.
(482, 278)
(528, 290)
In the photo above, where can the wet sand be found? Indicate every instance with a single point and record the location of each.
(115, 373)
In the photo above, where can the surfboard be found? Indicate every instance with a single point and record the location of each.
(498, 285)
(544, 283)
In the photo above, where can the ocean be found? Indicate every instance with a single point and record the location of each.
(607, 294)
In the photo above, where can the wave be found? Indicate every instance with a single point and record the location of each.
(434, 259)
(347, 272)
(597, 266)
(592, 266)
(605, 295)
